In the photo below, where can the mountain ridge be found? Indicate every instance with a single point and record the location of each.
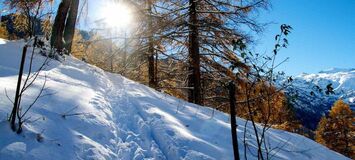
(313, 101)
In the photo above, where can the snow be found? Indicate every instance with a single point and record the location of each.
(122, 119)
(2, 41)
(342, 80)
(312, 101)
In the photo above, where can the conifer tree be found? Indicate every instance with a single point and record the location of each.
(151, 62)
(70, 25)
(29, 15)
(337, 131)
(200, 34)
(3, 32)
(59, 25)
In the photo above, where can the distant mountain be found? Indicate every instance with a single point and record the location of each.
(316, 93)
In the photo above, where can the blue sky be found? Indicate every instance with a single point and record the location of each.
(323, 35)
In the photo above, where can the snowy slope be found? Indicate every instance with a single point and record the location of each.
(342, 80)
(309, 107)
(121, 119)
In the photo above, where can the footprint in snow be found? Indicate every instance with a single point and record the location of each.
(157, 116)
(170, 133)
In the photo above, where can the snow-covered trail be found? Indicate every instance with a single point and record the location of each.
(134, 135)
(142, 133)
(122, 119)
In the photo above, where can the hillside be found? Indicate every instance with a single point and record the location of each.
(310, 107)
(111, 117)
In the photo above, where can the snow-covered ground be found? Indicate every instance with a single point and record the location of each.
(121, 119)
(311, 107)
(342, 80)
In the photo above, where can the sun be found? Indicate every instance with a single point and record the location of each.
(117, 15)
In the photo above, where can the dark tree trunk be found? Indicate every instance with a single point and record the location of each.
(124, 58)
(70, 25)
(233, 120)
(156, 69)
(151, 68)
(15, 108)
(194, 76)
(59, 25)
(151, 64)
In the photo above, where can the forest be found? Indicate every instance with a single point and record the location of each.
(78, 69)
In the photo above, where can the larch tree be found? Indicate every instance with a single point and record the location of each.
(151, 62)
(196, 36)
(3, 32)
(64, 25)
(194, 76)
(70, 25)
(337, 130)
(210, 27)
(59, 25)
(29, 15)
(148, 32)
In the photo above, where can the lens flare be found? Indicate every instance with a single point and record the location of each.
(117, 15)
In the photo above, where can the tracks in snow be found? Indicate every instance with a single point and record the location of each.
(135, 139)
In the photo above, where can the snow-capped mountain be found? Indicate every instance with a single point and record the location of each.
(316, 93)
(98, 115)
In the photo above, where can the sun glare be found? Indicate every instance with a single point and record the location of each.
(117, 15)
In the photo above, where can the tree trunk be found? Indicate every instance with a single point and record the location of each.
(125, 52)
(15, 108)
(59, 25)
(194, 76)
(70, 25)
(151, 68)
(156, 70)
(233, 120)
(151, 64)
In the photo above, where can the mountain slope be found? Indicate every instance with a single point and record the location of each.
(111, 117)
(312, 101)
